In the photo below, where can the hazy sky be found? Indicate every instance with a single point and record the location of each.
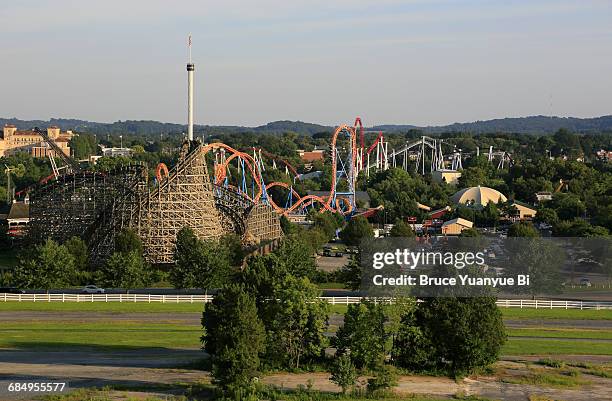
(423, 62)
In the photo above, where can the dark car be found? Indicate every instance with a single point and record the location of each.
(11, 290)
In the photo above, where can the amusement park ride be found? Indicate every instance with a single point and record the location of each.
(348, 157)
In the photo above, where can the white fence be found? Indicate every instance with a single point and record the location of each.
(175, 299)
(166, 299)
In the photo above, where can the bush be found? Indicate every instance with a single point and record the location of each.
(386, 377)
(343, 372)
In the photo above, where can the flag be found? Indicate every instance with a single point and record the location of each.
(189, 40)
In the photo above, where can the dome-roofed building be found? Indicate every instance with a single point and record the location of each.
(478, 196)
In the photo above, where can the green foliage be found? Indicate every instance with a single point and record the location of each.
(233, 244)
(489, 215)
(542, 260)
(399, 191)
(125, 270)
(357, 229)
(459, 334)
(83, 145)
(385, 377)
(78, 249)
(546, 215)
(328, 223)
(49, 265)
(287, 226)
(578, 228)
(567, 206)
(470, 232)
(199, 264)
(298, 323)
(234, 336)
(363, 334)
(401, 229)
(523, 229)
(127, 241)
(343, 373)
(298, 257)
(350, 275)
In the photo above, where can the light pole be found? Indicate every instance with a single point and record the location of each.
(121, 141)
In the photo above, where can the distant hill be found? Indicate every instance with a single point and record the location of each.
(533, 124)
(144, 127)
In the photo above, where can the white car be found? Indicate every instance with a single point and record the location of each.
(92, 289)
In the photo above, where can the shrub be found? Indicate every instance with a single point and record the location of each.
(343, 372)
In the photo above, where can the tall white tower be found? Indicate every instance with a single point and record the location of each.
(190, 69)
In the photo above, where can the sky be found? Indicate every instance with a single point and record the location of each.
(422, 62)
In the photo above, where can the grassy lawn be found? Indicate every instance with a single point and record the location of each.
(561, 333)
(119, 307)
(587, 314)
(103, 334)
(531, 346)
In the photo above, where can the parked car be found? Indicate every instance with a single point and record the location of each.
(92, 289)
(352, 250)
(11, 290)
(332, 251)
(585, 282)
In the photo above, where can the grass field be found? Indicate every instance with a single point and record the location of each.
(536, 346)
(126, 334)
(561, 333)
(98, 335)
(587, 314)
(119, 307)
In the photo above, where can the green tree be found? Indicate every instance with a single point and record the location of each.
(49, 265)
(489, 214)
(343, 373)
(523, 229)
(546, 215)
(363, 334)
(463, 334)
(401, 229)
(350, 275)
(356, 229)
(233, 244)
(578, 228)
(83, 146)
(234, 336)
(470, 232)
(296, 331)
(78, 249)
(298, 257)
(125, 270)
(567, 206)
(127, 241)
(199, 264)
